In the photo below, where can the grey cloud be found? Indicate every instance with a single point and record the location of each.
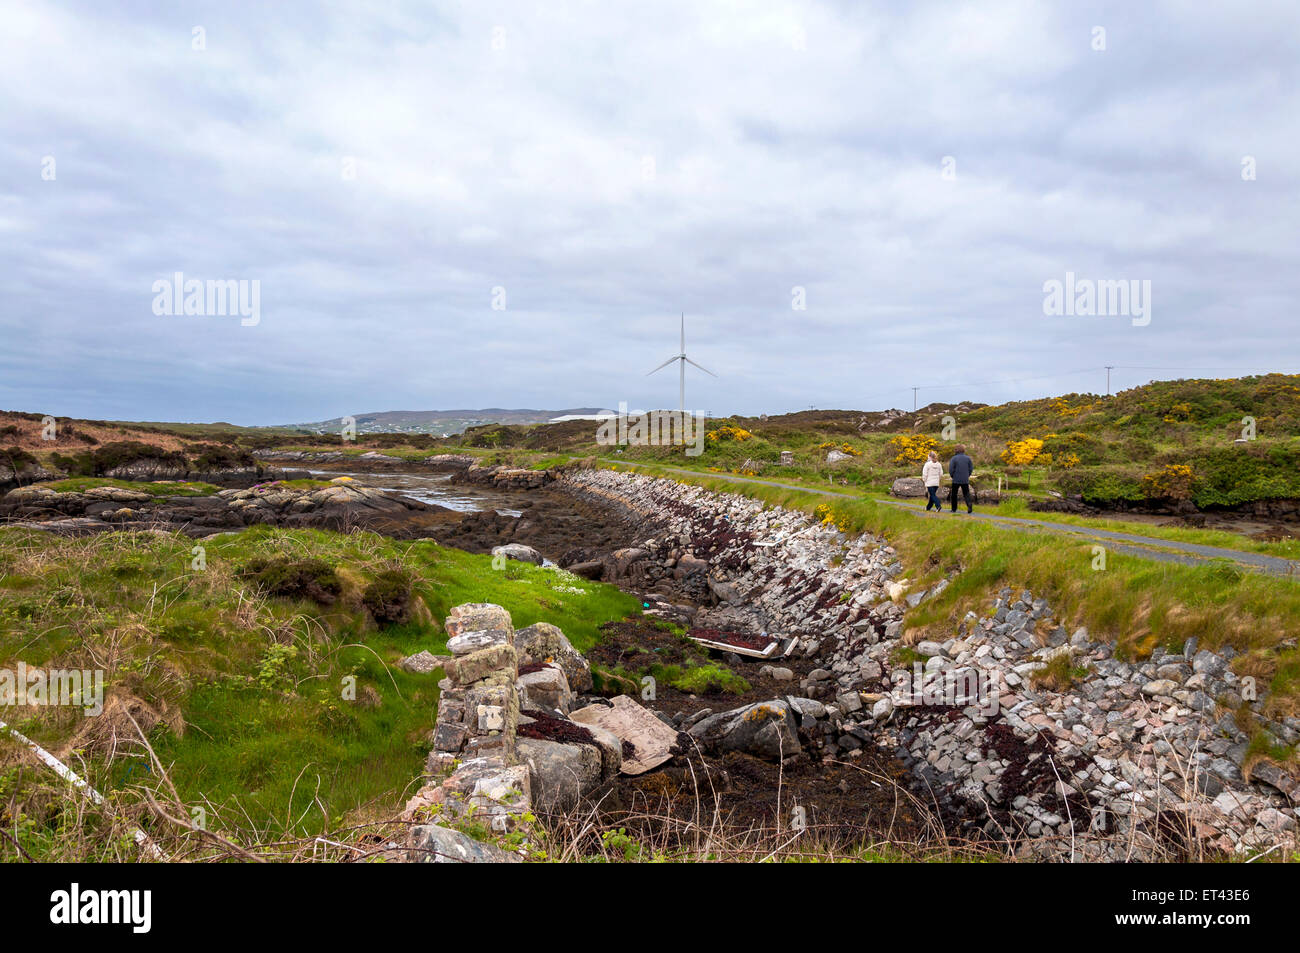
(792, 145)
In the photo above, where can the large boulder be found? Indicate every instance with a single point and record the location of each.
(908, 487)
(619, 564)
(519, 552)
(766, 729)
(690, 565)
(593, 569)
(543, 642)
(559, 773)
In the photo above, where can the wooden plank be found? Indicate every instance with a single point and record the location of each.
(739, 650)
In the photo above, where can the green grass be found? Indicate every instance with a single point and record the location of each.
(270, 745)
(82, 484)
(706, 679)
(1224, 539)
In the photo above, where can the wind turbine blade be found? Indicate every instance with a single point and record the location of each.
(704, 369)
(665, 364)
(683, 332)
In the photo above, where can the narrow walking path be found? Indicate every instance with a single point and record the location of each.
(1134, 544)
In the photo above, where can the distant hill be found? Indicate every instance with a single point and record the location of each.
(441, 422)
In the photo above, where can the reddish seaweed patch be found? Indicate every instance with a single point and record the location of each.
(546, 727)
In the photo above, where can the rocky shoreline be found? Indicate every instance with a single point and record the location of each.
(149, 471)
(342, 505)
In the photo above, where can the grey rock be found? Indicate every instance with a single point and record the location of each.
(765, 729)
(559, 773)
(431, 844)
(544, 642)
(421, 663)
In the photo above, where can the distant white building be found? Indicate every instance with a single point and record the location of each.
(603, 415)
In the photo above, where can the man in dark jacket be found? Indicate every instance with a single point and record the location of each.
(959, 468)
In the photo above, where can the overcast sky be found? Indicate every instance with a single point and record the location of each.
(385, 171)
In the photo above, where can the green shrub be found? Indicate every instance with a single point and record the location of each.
(388, 596)
(16, 458)
(312, 579)
(1103, 487)
(120, 453)
(212, 456)
(1233, 475)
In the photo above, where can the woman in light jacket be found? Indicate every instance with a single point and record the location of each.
(932, 473)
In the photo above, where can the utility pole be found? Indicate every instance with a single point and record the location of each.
(1109, 368)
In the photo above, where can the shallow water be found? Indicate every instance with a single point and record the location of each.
(430, 488)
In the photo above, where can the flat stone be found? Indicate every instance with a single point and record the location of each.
(498, 661)
(652, 741)
(1159, 686)
(422, 663)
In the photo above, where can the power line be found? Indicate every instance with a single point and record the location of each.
(1017, 380)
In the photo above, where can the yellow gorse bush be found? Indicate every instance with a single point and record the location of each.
(1173, 481)
(824, 514)
(1063, 409)
(728, 432)
(911, 447)
(842, 447)
(1021, 453)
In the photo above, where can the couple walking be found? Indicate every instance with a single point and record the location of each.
(959, 468)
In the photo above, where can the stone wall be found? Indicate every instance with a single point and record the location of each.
(1093, 768)
(478, 710)
(481, 770)
(504, 478)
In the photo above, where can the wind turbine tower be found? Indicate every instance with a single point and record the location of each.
(682, 360)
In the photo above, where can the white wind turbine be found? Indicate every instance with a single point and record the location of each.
(682, 360)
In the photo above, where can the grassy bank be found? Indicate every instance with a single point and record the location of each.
(239, 673)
